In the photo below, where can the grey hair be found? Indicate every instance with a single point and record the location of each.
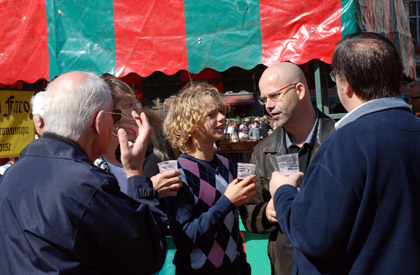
(413, 84)
(69, 111)
(38, 104)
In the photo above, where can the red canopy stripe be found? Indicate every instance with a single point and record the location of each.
(23, 42)
(149, 36)
(299, 31)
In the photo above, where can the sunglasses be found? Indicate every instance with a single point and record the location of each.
(116, 115)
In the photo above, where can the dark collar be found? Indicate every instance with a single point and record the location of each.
(63, 139)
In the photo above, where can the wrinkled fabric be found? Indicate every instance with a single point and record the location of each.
(358, 210)
(59, 214)
(280, 250)
(41, 39)
(204, 222)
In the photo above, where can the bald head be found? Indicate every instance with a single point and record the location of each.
(286, 96)
(66, 82)
(72, 99)
(284, 72)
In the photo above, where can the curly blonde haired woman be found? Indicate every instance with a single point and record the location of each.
(203, 216)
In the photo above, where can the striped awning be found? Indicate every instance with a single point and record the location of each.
(42, 39)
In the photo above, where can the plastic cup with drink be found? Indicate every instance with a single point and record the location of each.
(245, 170)
(288, 164)
(167, 165)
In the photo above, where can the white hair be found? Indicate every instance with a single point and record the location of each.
(38, 104)
(69, 110)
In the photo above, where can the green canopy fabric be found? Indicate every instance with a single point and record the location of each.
(43, 39)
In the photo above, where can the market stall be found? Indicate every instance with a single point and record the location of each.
(43, 39)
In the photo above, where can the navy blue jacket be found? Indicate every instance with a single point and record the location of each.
(358, 211)
(60, 214)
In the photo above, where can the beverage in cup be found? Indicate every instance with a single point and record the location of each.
(288, 164)
(245, 170)
(167, 165)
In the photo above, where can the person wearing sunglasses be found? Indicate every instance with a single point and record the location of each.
(124, 102)
(301, 129)
(414, 100)
(108, 161)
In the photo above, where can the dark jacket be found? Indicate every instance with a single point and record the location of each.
(358, 210)
(60, 214)
(253, 216)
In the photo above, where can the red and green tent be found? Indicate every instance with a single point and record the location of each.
(45, 38)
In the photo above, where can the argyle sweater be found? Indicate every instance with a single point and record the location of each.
(203, 221)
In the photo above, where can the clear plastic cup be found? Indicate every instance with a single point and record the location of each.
(245, 170)
(288, 164)
(167, 165)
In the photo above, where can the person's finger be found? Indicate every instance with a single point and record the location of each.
(169, 187)
(141, 120)
(235, 181)
(173, 180)
(248, 188)
(143, 132)
(175, 186)
(171, 173)
(123, 140)
(156, 178)
(247, 180)
(137, 118)
(297, 176)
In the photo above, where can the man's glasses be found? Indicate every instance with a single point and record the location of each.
(116, 115)
(414, 97)
(332, 75)
(276, 96)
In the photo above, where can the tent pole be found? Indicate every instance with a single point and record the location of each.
(317, 72)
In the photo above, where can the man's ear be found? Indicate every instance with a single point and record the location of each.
(98, 122)
(300, 91)
(41, 123)
(346, 88)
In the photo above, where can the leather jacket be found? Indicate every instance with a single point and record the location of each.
(280, 250)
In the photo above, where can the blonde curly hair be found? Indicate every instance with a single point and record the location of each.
(187, 113)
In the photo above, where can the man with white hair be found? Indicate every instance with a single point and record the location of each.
(59, 213)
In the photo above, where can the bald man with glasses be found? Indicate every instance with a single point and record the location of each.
(302, 129)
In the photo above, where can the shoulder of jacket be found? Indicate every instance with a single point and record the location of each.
(272, 143)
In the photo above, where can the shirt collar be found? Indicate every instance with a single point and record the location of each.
(372, 106)
(64, 139)
(311, 137)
